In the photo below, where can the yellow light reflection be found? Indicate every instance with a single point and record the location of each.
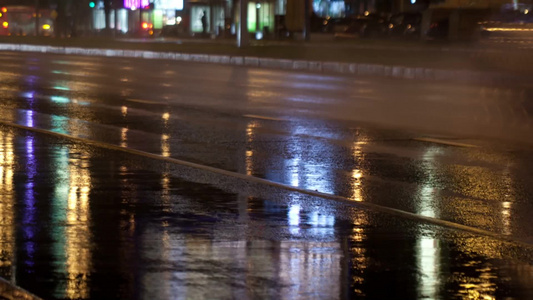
(258, 91)
(357, 194)
(509, 29)
(506, 217)
(7, 198)
(165, 185)
(496, 187)
(477, 287)
(165, 145)
(358, 256)
(77, 245)
(124, 110)
(124, 137)
(250, 135)
(357, 174)
(166, 116)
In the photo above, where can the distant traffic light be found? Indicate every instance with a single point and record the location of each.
(92, 4)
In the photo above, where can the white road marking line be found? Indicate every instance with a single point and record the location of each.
(263, 117)
(445, 142)
(147, 101)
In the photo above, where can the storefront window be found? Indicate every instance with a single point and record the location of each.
(260, 15)
(329, 8)
(169, 17)
(197, 12)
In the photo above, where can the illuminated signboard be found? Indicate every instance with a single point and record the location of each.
(158, 4)
(168, 4)
(136, 3)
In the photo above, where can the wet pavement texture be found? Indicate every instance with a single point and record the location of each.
(82, 222)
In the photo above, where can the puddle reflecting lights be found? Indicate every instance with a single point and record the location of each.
(294, 218)
(249, 153)
(28, 95)
(7, 227)
(78, 254)
(506, 217)
(294, 174)
(249, 162)
(165, 145)
(357, 174)
(165, 185)
(428, 258)
(124, 137)
(29, 118)
(28, 218)
(357, 194)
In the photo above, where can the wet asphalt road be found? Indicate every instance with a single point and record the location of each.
(83, 221)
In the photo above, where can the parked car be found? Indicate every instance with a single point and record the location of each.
(368, 25)
(405, 24)
(320, 24)
(409, 25)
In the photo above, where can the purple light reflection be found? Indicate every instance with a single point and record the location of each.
(28, 95)
(29, 120)
(30, 79)
(28, 217)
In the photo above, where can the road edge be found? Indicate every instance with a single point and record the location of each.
(359, 69)
(12, 292)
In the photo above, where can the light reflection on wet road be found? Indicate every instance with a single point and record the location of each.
(82, 222)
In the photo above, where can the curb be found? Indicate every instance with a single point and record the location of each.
(402, 72)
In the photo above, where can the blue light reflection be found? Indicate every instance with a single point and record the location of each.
(28, 217)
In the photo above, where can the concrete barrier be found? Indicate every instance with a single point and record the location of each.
(251, 61)
(409, 73)
(236, 60)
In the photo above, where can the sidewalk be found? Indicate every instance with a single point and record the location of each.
(389, 58)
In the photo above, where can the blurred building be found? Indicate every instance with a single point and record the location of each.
(266, 18)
